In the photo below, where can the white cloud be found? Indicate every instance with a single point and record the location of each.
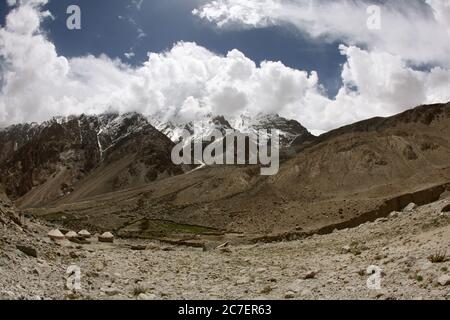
(441, 9)
(141, 33)
(137, 3)
(129, 55)
(415, 30)
(190, 81)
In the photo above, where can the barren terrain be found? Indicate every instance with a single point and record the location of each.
(408, 247)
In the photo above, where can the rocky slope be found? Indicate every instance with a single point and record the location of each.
(410, 248)
(42, 163)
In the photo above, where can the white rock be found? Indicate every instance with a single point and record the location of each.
(346, 249)
(261, 270)
(297, 286)
(410, 207)
(243, 280)
(394, 214)
(444, 280)
(306, 293)
(99, 266)
(147, 296)
(111, 291)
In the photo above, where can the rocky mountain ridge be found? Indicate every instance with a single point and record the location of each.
(64, 150)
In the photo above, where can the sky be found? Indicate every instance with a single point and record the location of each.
(324, 63)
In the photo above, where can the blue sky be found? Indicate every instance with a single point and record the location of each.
(166, 22)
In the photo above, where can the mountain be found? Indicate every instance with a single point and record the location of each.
(43, 162)
(291, 131)
(343, 178)
(348, 176)
(78, 156)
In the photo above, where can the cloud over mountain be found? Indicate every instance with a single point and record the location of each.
(189, 81)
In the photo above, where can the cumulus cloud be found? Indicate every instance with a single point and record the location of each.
(413, 29)
(188, 81)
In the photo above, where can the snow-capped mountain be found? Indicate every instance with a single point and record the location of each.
(47, 160)
(291, 131)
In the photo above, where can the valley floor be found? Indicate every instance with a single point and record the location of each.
(332, 266)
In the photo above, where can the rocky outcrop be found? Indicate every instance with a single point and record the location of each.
(42, 163)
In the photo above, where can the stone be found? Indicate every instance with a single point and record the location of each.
(410, 207)
(309, 275)
(243, 280)
(296, 286)
(377, 294)
(29, 251)
(225, 250)
(7, 295)
(55, 235)
(111, 291)
(289, 295)
(99, 266)
(106, 237)
(306, 293)
(74, 255)
(394, 214)
(444, 280)
(346, 249)
(224, 245)
(153, 246)
(84, 234)
(147, 296)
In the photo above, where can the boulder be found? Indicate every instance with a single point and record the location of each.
(309, 275)
(446, 209)
(444, 280)
(410, 207)
(394, 214)
(29, 251)
(84, 234)
(55, 235)
(106, 237)
(111, 291)
(147, 296)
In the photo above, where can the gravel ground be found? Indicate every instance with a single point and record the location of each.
(333, 266)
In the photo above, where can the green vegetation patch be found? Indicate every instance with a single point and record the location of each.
(149, 228)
